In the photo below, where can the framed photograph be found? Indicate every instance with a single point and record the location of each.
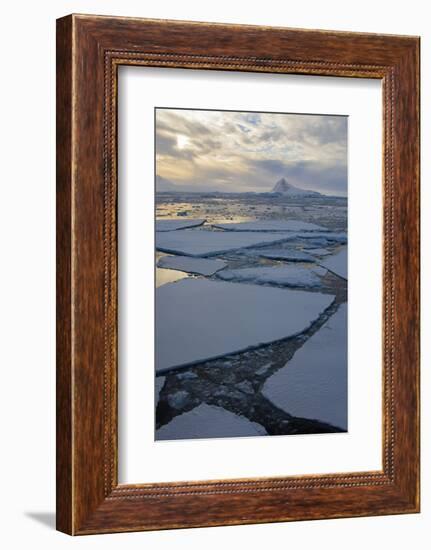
(237, 274)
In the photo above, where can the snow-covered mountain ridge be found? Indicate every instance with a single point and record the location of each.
(282, 187)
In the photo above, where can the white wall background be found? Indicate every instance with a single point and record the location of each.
(27, 239)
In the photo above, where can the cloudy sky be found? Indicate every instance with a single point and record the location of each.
(244, 151)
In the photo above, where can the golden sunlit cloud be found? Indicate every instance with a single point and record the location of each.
(182, 141)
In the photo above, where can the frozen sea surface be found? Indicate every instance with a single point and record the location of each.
(175, 224)
(199, 243)
(319, 251)
(287, 254)
(337, 263)
(335, 237)
(271, 225)
(199, 266)
(313, 384)
(233, 383)
(199, 319)
(159, 383)
(208, 421)
(288, 275)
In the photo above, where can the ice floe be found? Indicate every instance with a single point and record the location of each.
(287, 254)
(178, 399)
(264, 368)
(308, 244)
(175, 225)
(319, 251)
(211, 243)
(200, 319)
(337, 263)
(271, 225)
(159, 383)
(313, 384)
(288, 275)
(209, 421)
(335, 237)
(320, 270)
(199, 266)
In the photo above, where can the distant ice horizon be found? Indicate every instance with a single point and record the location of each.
(166, 186)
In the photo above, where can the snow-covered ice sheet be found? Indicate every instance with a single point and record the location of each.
(271, 225)
(199, 266)
(288, 254)
(313, 384)
(174, 224)
(288, 275)
(211, 243)
(337, 263)
(198, 319)
(209, 421)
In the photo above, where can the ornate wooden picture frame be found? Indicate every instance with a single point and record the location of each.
(89, 51)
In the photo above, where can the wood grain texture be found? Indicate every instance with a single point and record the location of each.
(90, 49)
(64, 495)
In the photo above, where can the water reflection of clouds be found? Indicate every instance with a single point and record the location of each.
(164, 276)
